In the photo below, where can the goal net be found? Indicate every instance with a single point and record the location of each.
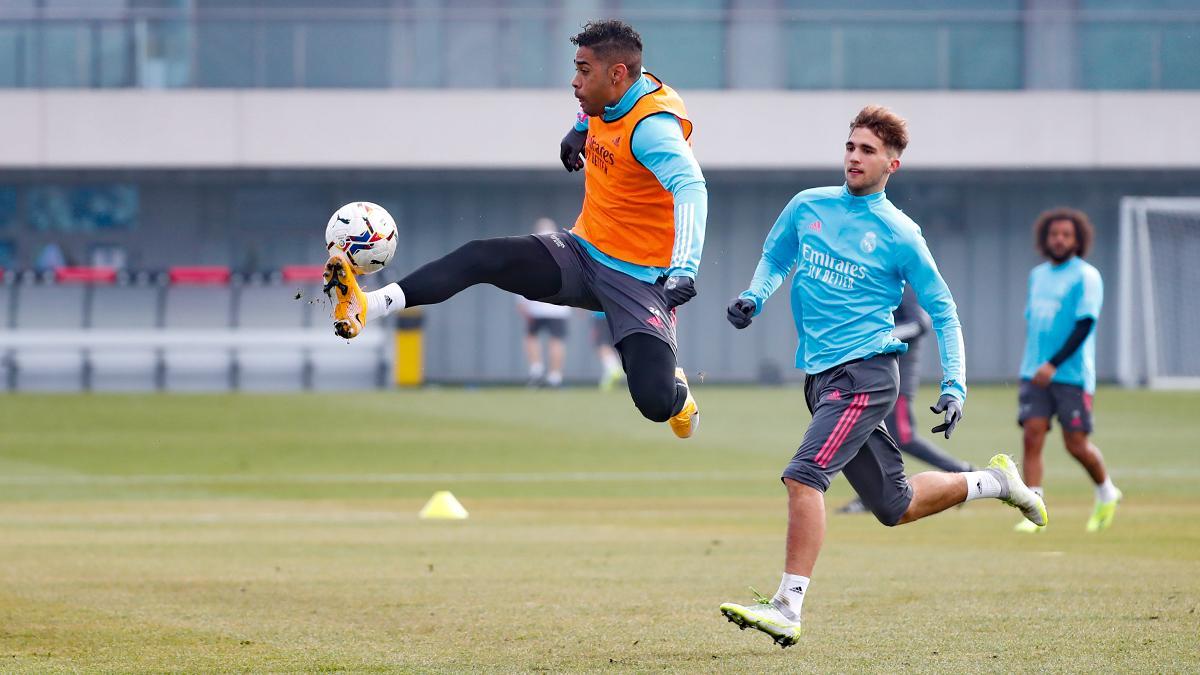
(1159, 304)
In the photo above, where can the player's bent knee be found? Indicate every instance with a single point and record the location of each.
(655, 407)
(889, 516)
(890, 507)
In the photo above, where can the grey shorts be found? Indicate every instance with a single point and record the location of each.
(1070, 403)
(630, 305)
(555, 328)
(848, 405)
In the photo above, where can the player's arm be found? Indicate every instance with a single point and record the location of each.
(570, 150)
(778, 259)
(659, 145)
(1087, 311)
(934, 296)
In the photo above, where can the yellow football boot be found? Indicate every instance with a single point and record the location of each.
(349, 301)
(687, 420)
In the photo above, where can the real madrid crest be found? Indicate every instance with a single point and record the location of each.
(868, 243)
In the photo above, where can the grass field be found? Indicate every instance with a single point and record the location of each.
(279, 533)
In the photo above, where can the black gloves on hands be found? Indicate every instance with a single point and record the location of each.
(570, 151)
(679, 290)
(953, 409)
(740, 312)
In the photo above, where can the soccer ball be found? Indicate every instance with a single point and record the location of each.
(364, 233)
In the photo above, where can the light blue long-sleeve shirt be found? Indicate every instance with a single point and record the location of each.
(1060, 295)
(853, 256)
(658, 144)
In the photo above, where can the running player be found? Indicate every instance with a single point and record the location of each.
(854, 252)
(635, 247)
(1058, 370)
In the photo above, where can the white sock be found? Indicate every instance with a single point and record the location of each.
(536, 370)
(1106, 491)
(384, 301)
(554, 378)
(1037, 490)
(790, 596)
(611, 363)
(983, 484)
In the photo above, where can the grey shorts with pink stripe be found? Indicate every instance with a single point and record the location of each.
(848, 405)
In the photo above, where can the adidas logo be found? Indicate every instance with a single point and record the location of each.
(387, 301)
(798, 589)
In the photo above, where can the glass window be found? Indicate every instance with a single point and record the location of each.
(1181, 57)
(418, 46)
(528, 40)
(686, 51)
(1116, 56)
(473, 53)
(16, 54)
(8, 205)
(114, 52)
(810, 56)
(82, 208)
(349, 53)
(165, 53)
(891, 56)
(986, 56)
(279, 54)
(66, 54)
(226, 53)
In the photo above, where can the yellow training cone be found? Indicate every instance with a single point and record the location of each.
(443, 506)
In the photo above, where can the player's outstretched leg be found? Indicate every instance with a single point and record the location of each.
(520, 265)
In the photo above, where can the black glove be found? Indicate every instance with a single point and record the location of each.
(953, 409)
(740, 312)
(571, 149)
(679, 290)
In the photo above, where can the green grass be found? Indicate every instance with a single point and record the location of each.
(271, 533)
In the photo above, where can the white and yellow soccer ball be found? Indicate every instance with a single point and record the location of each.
(364, 233)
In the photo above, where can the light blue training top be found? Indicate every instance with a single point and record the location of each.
(659, 145)
(853, 256)
(1059, 296)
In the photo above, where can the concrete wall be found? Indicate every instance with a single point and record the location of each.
(489, 129)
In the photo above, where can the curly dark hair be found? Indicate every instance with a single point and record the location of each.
(613, 41)
(1084, 232)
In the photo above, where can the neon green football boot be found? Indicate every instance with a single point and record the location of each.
(764, 616)
(1102, 514)
(1019, 495)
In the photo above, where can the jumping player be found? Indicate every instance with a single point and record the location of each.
(1058, 370)
(635, 247)
(854, 252)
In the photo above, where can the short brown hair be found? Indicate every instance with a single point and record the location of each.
(887, 125)
(1083, 229)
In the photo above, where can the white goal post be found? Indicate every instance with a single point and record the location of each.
(1159, 295)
